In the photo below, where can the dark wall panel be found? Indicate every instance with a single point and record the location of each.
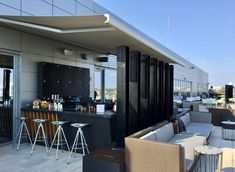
(63, 80)
(167, 92)
(144, 120)
(122, 93)
(134, 91)
(158, 93)
(228, 92)
(6, 84)
(144, 92)
(161, 90)
(171, 88)
(153, 95)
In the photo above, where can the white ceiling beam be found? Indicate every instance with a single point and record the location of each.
(51, 29)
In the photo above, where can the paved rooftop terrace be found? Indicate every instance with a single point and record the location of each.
(22, 161)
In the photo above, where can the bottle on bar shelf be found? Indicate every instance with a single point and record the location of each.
(115, 106)
(52, 97)
(55, 106)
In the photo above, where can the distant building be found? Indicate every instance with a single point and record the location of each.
(190, 80)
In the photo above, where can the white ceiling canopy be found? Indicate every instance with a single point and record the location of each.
(102, 33)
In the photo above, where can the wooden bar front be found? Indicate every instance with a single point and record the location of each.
(32, 126)
(6, 122)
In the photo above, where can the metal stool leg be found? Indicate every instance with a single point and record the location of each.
(85, 143)
(60, 136)
(27, 131)
(61, 141)
(82, 142)
(65, 139)
(74, 143)
(35, 140)
(77, 139)
(53, 140)
(44, 136)
(36, 137)
(58, 143)
(20, 134)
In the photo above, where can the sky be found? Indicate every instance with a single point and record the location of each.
(201, 31)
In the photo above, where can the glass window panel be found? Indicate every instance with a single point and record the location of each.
(58, 12)
(82, 10)
(112, 61)
(100, 10)
(4, 10)
(181, 87)
(110, 84)
(1, 84)
(88, 3)
(12, 3)
(26, 14)
(49, 1)
(177, 85)
(37, 7)
(97, 93)
(68, 5)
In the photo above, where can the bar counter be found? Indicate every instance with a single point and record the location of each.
(100, 132)
(5, 121)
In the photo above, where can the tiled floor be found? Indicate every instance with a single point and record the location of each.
(228, 149)
(22, 161)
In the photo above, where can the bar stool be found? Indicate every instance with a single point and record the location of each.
(61, 139)
(39, 122)
(23, 132)
(83, 145)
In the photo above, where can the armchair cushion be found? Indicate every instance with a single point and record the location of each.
(150, 136)
(200, 129)
(164, 133)
(186, 119)
(188, 142)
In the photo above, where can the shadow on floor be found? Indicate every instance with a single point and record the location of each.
(4, 140)
(228, 169)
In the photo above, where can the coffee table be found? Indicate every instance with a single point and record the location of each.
(208, 158)
(228, 130)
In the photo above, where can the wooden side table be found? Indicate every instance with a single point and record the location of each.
(209, 159)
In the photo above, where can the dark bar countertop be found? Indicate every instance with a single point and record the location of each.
(107, 114)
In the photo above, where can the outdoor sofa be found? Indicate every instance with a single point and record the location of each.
(197, 123)
(158, 148)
